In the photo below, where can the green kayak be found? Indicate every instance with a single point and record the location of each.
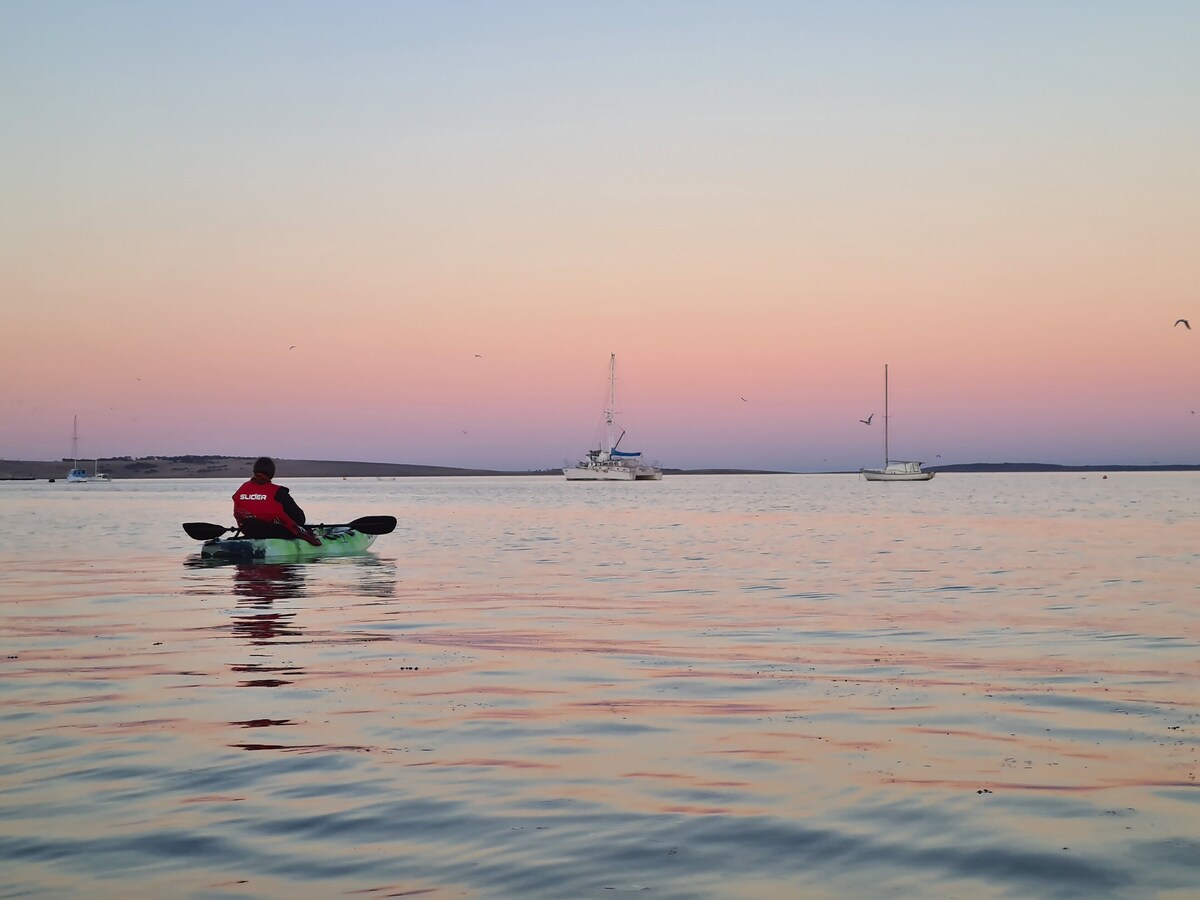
(338, 540)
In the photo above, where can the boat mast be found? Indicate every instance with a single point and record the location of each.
(612, 403)
(75, 440)
(885, 415)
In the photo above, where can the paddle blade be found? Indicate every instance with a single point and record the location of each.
(375, 524)
(204, 531)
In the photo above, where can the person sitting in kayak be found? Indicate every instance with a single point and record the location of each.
(266, 510)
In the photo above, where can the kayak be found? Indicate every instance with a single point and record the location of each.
(336, 540)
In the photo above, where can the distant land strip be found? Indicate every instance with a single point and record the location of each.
(214, 466)
(1052, 467)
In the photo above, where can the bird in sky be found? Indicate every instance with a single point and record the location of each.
(867, 420)
(479, 356)
(743, 399)
(1186, 324)
(293, 347)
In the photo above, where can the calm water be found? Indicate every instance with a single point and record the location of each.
(774, 686)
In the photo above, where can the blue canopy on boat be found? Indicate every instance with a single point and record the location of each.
(626, 452)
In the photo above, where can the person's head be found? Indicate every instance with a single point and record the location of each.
(264, 469)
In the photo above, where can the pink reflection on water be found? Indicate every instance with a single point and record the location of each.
(394, 890)
(489, 763)
(1106, 785)
(306, 748)
(491, 690)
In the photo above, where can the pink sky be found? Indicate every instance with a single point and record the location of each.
(1007, 217)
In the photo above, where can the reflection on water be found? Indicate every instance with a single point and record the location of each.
(373, 577)
(259, 586)
(763, 687)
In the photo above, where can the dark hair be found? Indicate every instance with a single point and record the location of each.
(266, 465)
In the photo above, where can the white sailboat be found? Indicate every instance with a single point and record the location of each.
(894, 470)
(607, 463)
(78, 474)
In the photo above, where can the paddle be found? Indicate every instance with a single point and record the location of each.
(368, 525)
(206, 531)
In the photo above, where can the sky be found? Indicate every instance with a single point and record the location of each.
(415, 232)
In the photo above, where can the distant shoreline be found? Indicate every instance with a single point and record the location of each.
(1053, 467)
(194, 466)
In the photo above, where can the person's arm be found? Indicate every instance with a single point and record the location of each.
(284, 496)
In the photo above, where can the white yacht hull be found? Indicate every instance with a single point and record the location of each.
(612, 473)
(879, 475)
(80, 476)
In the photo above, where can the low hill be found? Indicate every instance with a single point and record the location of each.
(119, 468)
(1051, 467)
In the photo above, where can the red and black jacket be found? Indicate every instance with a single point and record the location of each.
(267, 510)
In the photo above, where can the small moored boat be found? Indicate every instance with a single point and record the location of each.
(78, 474)
(607, 463)
(894, 470)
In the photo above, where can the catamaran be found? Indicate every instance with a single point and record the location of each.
(894, 470)
(606, 462)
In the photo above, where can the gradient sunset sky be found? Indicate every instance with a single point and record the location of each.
(456, 211)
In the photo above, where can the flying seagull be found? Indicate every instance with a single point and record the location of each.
(743, 399)
(867, 420)
(1185, 322)
(293, 347)
(479, 356)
